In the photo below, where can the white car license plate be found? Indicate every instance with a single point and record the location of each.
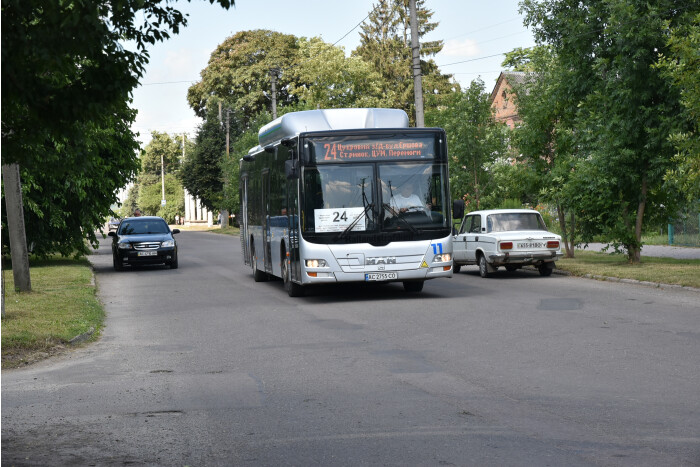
(380, 276)
(531, 245)
(148, 253)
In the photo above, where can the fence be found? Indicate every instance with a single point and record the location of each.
(685, 230)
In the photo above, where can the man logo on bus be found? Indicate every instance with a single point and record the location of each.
(381, 260)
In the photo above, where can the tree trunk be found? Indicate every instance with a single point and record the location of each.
(635, 252)
(15, 227)
(568, 245)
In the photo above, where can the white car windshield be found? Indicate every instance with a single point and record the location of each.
(515, 221)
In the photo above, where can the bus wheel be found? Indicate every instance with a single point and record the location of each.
(258, 275)
(413, 286)
(293, 290)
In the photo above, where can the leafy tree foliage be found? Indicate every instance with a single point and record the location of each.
(150, 196)
(66, 87)
(327, 79)
(385, 44)
(544, 138)
(75, 187)
(474, 141)
(150, 183)
(625, 111)
(201, 172)
(682, 67)
(238, 73)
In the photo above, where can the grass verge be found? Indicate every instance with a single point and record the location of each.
(61, 306)
(684, 272)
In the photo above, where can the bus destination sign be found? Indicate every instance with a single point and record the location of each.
(327, 150)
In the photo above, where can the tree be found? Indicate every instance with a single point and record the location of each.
(327, 79)
(201, 172)
(238, 73)
(474, 140)
(75, 186)
(150, 182)
(385, 44)
(682, 68)
(66, 85)
(544, 138)
(625, 111)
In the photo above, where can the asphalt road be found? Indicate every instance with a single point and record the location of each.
(201, 366)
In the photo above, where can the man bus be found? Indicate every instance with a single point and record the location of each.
(316, 200)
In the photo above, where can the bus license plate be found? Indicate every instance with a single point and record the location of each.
(380, 276)
(148, 253)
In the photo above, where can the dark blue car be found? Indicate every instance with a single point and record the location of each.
(144, 240)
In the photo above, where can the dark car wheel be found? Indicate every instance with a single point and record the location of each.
(173, 262)
(545, 270)
(456, 268)
(483, 267)
(117, 263)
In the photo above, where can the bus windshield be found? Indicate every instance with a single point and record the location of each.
(372, 198)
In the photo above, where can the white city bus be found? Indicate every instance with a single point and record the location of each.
(317, 207)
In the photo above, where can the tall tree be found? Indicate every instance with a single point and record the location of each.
(201, 173)
(681, 66)
(385, 44)
(238, 73)
(474, 140)
(626, 110)
(66, 86)
(544, 138)
(326, 78)
(168, 149)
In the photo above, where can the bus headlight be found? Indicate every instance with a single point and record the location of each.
(316, 263)
(442, 258)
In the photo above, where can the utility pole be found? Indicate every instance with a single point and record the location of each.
(15, 227)
(273, 79)
(417, 80)
(162, 178)
(228, 128)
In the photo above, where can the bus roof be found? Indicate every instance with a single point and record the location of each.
(293, 123)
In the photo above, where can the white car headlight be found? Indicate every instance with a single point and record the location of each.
(442, 258)
(168, 243)
(315, 263)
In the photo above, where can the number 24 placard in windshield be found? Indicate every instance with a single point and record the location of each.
(337, 220)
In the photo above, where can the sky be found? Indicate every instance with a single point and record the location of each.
(475, 35)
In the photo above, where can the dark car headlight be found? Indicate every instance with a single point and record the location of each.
(125, 246)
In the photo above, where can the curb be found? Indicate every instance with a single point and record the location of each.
(80, 338)
(657, 285)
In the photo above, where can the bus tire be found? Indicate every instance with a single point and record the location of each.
(413, 286)
(258, 275)
(293, 290)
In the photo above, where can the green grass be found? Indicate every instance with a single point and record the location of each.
(226, 230)
(61, 306)
(678, 240)
(684, 272)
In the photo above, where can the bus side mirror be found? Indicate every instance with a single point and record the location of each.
(291, 169)
(458, 209)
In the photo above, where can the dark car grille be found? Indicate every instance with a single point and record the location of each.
(147, 245)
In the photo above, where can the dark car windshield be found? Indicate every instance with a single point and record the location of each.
(143, 226)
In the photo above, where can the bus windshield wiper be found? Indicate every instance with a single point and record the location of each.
(399, 217)
(354, 223)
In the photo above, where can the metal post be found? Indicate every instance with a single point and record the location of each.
(671, 232)
(417, 80)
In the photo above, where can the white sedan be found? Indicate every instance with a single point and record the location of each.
(505, 237)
